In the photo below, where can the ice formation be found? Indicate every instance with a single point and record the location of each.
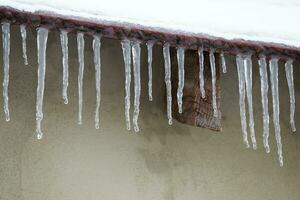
(264, 86)
(180, 59)
(290, 81)
(223, 62)
(6, 53)
(97, 63)
(242, 94)
(273, 65)
(149, 49)
(65, 62)
(213, 81)
(126, 47)
(24, 48)
(42, 37)
(80, 49)
(166, 54)
(136, 57)
(201, 72)
(248, 80)
(132, 53)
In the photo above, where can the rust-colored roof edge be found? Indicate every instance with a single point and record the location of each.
(144, 34)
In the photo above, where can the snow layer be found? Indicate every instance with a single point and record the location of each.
(273, 21)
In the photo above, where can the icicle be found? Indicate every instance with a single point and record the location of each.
(248, 79)
(201, 72)
(24, 36)
(41, 46)
(273, 65)
(126, 47)
(80, 48)
(290, 81)
(136, 57)
(6, 53)
(213, 81)
(166, 52)
(149, 48)
(64, 47)
(223, 62)
(180, 59)
(97, 62)
(264, 86)
(241, 77)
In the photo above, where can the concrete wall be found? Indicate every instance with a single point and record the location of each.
(162, 162)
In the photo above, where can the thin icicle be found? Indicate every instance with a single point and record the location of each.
(264, 87)
(126, 47)
(273, 65)
(241, 77)
(65, 60)
(41, 46)
(248, 79)
(201, 72)
(97, 62)
(24, 36)
(80, 49)
(136, 57)
(149, 48)
(223, 62)
(166, 52)
(213, 81)
(290, 81)
(6, 53)
(180, 59)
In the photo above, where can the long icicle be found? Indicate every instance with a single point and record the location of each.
(150, 48)
(290, 81)
(6, 53)
(264, 87)
(97, 63)
(136, 57)
(273, 65)
(223, 62)
(201, 72)
(248, 79)
(65, 60)
(213, 81)
(24, 48)
(80, 49)
(166, 53)
(126, 47)
(41, 46)
(180, 60)
(241, 77)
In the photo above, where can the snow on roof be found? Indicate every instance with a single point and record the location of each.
(271, 21)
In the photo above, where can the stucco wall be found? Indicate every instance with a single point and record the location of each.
(162, 162)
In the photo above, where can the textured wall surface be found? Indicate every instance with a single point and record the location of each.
(162, 162)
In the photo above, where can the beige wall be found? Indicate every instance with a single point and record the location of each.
(162, 162)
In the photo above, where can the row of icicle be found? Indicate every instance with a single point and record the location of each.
(132, 51)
